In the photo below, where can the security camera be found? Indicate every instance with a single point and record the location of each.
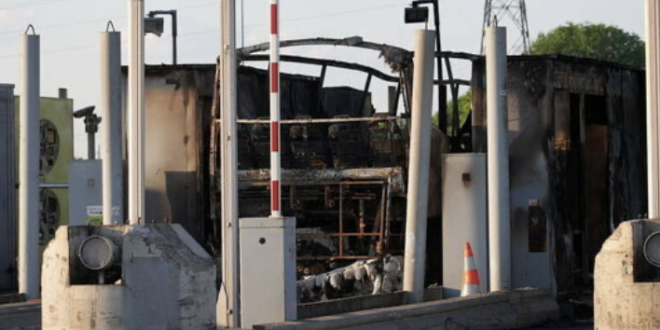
(84, 112)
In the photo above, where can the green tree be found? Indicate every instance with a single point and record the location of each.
(599, 41)
(464, 108)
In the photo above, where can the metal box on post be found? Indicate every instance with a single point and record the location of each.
(268, 270)
(465, 218)
(85, 193)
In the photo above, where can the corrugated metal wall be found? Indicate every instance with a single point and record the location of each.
(7, 190)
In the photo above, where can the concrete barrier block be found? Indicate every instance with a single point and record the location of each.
(501, 310)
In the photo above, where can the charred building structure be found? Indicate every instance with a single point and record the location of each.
(577, 162)
(577, 154)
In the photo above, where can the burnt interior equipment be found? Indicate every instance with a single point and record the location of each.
(343, 178)
(347, 144)
(388, 145)
(309, 144)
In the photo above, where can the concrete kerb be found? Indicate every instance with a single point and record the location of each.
(20, 308)
(21, 316)
(513, 309)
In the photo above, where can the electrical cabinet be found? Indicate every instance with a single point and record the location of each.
(85, 192)
(268, 270)
(465, 218)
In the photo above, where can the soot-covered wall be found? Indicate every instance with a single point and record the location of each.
(577, 162)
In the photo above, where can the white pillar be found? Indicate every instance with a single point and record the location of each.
(418, 177)
(652, 105)
(499, 223)
(111, 128)
(28, 193)
(136, 112)
(228, 311)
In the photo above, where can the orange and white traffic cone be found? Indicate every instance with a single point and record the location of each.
(470, 274)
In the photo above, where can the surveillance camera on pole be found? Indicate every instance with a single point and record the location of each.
(92, 122)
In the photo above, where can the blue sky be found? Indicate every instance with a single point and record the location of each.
(70, 30)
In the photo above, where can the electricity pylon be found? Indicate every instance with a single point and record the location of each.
(497, 12)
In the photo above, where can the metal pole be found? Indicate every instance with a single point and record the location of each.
(28, 207)
(652, 105)
(499, 225)
(91, 128)
(242, 23)
(420, 153)
(228, 302)
(91, 146)
(275, 174)
(442, 89)
(111, 127)
(136, 112)
(174, 35)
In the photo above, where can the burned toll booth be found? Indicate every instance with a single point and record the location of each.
(344, 162)
(577, 163)
(577, 160)
(344, 168)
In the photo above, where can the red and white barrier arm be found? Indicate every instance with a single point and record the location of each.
(275, 162)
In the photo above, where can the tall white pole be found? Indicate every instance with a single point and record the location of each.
(136, 112)
(499, 223)
(28, 194)
(418, 175)
(652, 105)
(228, 301)
(111, 127)
(275, 162)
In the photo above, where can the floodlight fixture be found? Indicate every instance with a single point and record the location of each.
(154, 25)
(416, 15)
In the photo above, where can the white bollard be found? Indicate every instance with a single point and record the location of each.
(136, 207)
(418, 177)
(29, 153)
(499, 223)
(111, 127)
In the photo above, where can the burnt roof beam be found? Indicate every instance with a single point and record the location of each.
(344, 65)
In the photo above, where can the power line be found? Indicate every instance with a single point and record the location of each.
(53, 51)
(356, 11)
(195, 33)
(55, 26)
(38, 4)
(96, 20)
(302, 19)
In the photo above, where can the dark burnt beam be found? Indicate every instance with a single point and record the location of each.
(344, 65)
(327, 63)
